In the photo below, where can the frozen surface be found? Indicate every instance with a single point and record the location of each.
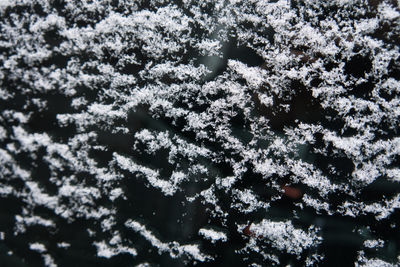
(217, 133)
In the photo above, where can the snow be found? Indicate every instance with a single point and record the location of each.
(213, 235)
(167, 187)
(48, 260)
(374, 243)
(110, 109)
(23, 222)
(284, 236)
(173, 248)
(37, 247)
(107, 251)
(63, 245)
(374, 262)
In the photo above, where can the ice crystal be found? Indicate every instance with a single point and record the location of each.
(199, 132)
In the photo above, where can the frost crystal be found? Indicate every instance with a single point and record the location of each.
(213, 235)
(170, 133)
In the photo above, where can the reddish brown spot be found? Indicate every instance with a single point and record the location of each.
(247, 231)
(292, 192)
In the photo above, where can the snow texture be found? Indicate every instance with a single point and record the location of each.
(222, 133)
(213, 235)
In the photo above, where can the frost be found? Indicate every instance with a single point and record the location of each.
(63, 245)
(115, 193)
(373, 243)
(388, 12)
(107, 251)
(284, 236)
(48, 260)
(37, 247)
(253, 76)
(213, 235)
(368, 262)
(23, 222)
(167, 187)
(242, 128)
(173, 248)
(248, 201)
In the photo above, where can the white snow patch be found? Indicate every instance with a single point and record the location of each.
(174, 249)
(63, 245)
(284, 236)
(213, 235)
(37, 247)
(373, 243)
(167, 187)
(107, 251)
